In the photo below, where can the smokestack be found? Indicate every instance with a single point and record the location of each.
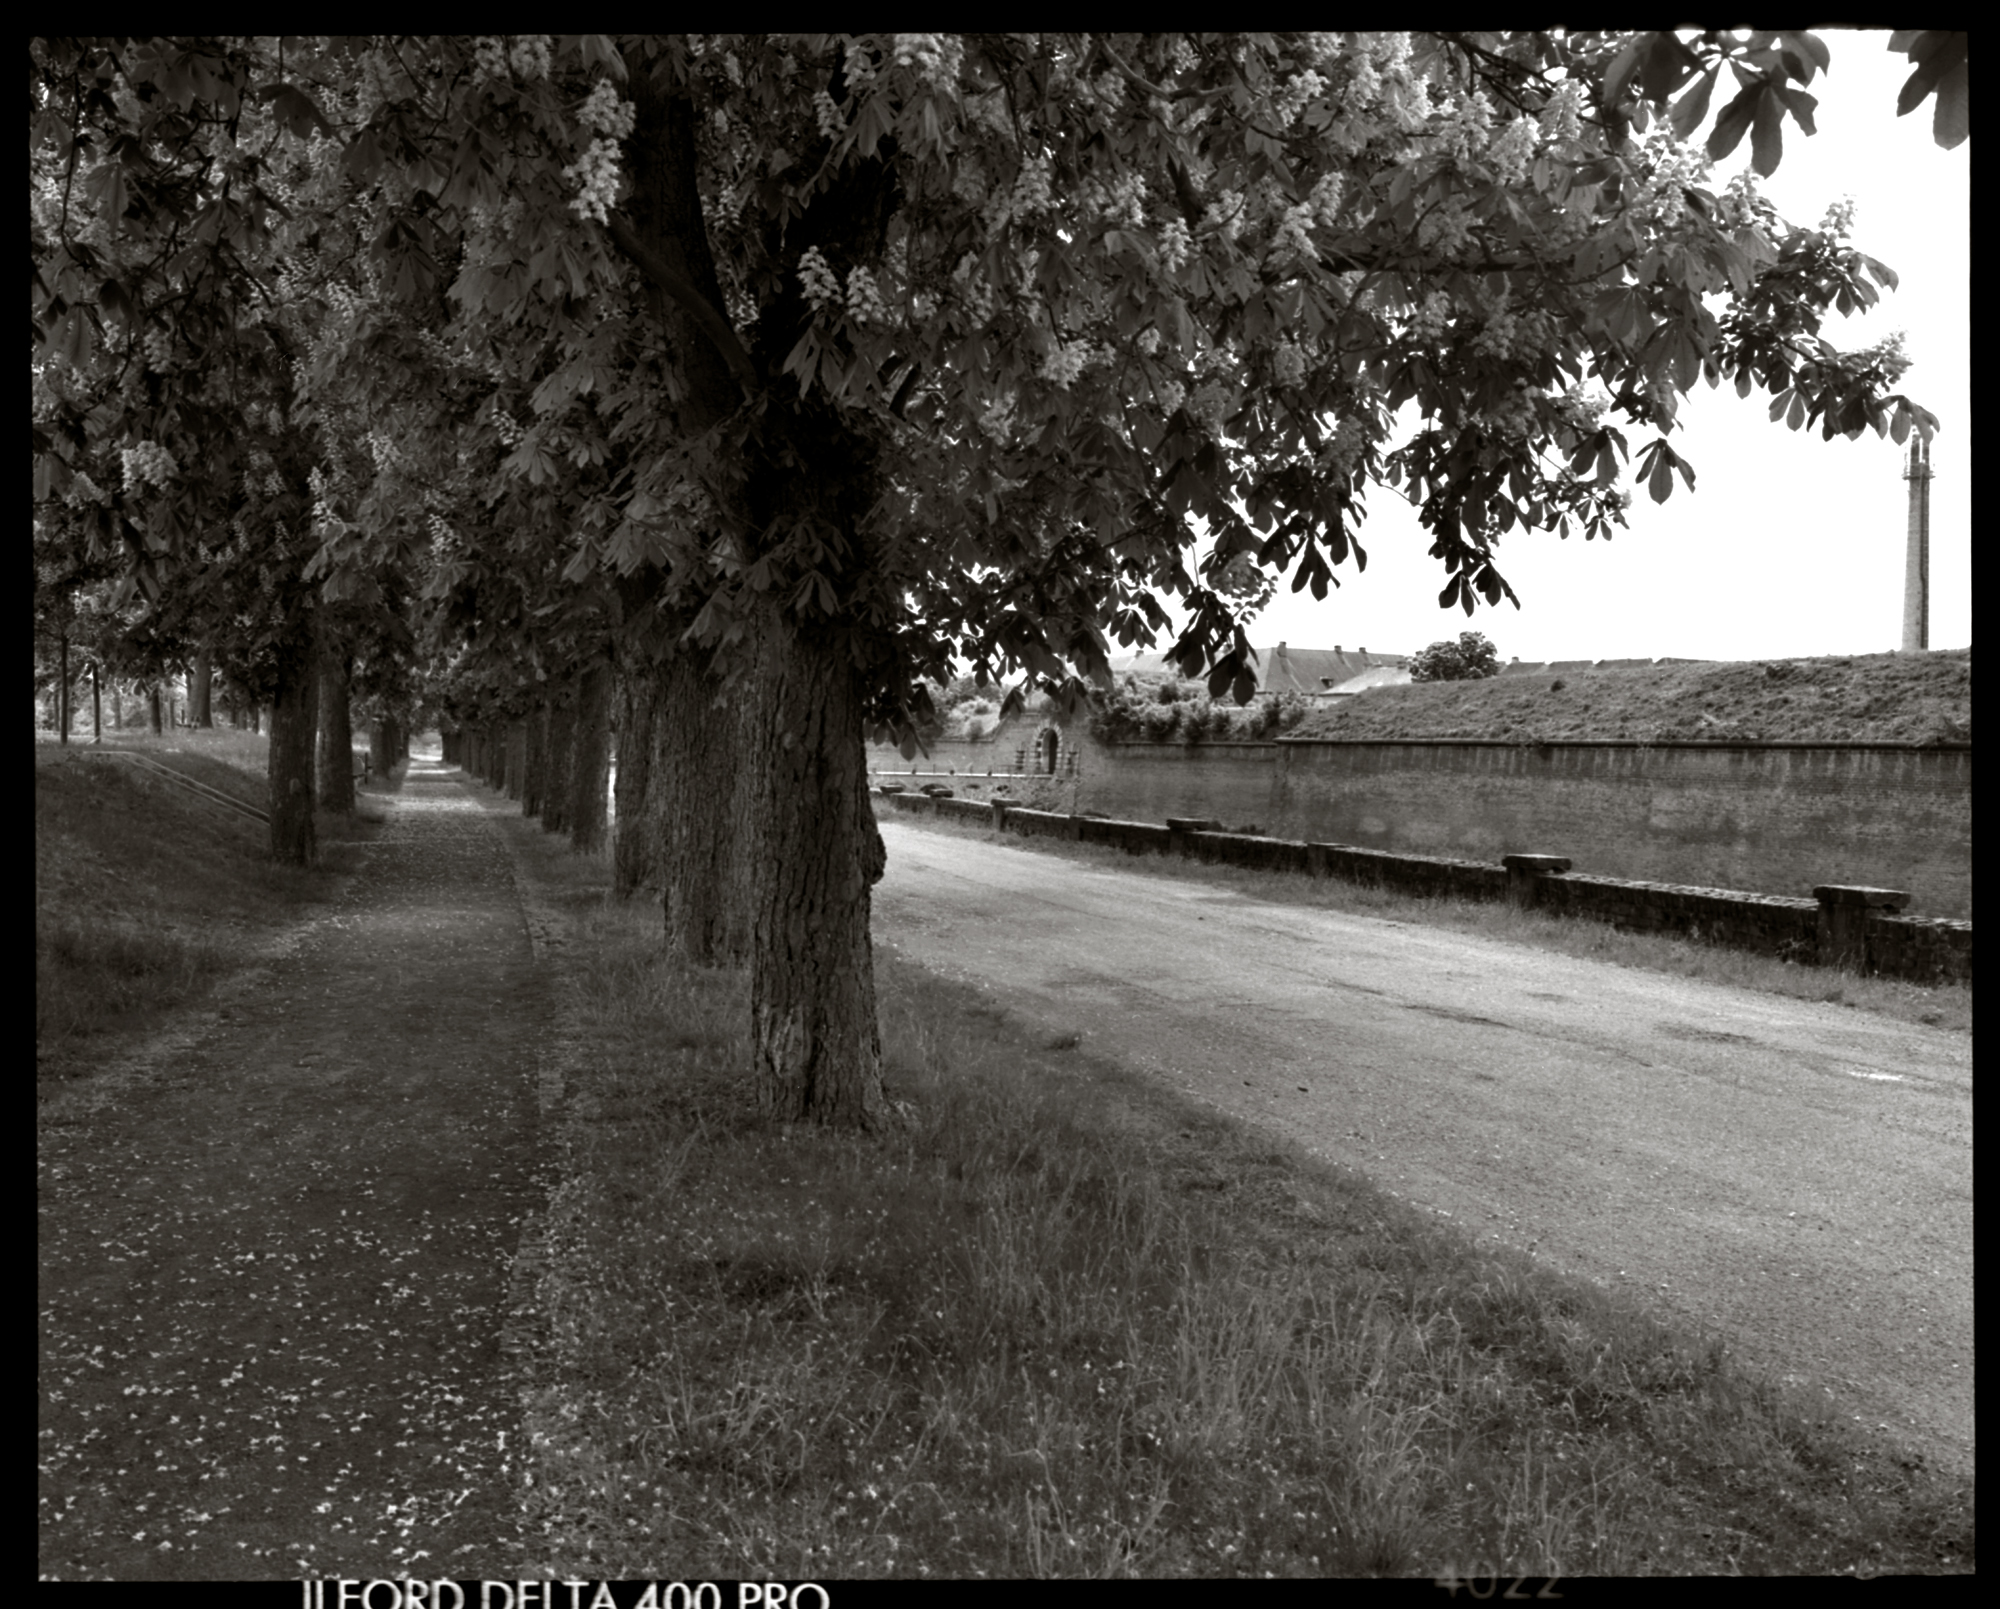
(1917, 559)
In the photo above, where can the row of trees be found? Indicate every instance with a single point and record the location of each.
(751, 382)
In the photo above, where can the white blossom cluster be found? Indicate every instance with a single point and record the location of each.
(1562, 113)
(1300, 90)
(1497, 336)
(529, 54)
(595, 175)
(159, 350)
(147, 464)
(1515, 417)
(1511, 152)
(375, 82)
(1121, 202)
(972, 285)
(489, 58)
(604, 112)
(1061, 364)
(1028, 195)
(81, 490)
(1668, 167)
(1288, 363)
(1468, 124)
(1211, 404)
(1175, 243)
(1171, 394)
(1447, 228)
(1839, 219)
(507, 428)
(996, 419)
(1149, 340)
(444, 540)
(864, 298)
(1343, 452)
(936, 57)
(274, 483)
(827, 114)
(1431, 316)
(1580, 407)
(1185, 59)
(1292, 239)
(383, 450)
(820, 283)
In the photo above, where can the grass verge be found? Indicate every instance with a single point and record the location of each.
(1942, 1005)
(146, 898)
(1065, 1323)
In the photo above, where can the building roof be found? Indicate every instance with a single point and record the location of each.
(1376, 676)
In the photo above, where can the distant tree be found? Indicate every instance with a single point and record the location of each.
(1467, 660)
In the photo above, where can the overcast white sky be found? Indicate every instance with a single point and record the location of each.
(1790, 545)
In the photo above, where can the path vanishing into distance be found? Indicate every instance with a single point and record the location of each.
(276, 1247)
(1794, 1176)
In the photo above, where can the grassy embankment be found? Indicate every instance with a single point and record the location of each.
(1066, 1323)
(1848, 698)
(146, 897)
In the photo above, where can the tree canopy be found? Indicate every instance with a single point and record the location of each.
(841, 361)
(1470, 659)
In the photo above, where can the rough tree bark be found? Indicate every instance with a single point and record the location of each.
(535, 770)
(517, 755)
(336, 730)
(632, 841)
(152, 708)
(699, 840)
(200, 688)
(815, 1042)
(559, 751)
(590, 758)
(294, 721)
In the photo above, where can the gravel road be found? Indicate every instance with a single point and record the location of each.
(1796, 1177)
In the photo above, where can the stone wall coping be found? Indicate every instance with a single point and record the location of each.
(1601, 743)
(1536, 863)
(1879, 899)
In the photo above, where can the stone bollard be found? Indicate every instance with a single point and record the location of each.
(1525, 874)
(1843, 921)
(1178, 828)
(1000, 814)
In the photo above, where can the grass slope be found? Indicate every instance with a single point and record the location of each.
(146, 897)
(1874, 698)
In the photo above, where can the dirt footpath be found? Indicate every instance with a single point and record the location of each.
(275, 1257)
(1793, 1176)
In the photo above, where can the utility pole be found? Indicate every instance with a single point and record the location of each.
(1917, 559)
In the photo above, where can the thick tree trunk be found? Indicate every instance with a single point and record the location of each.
(378, 745)
(200, 688)
(294, 720)
(535, 769)
(557, 759)
(336, 730)
(153, 708)
(700, 840)
(96, 707)
(815, 1044)
(633, 845)
(517, 756)
(590, 759)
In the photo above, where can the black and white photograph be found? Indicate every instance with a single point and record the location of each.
(821, 808)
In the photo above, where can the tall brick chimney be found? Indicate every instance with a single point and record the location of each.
(1917, 558)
